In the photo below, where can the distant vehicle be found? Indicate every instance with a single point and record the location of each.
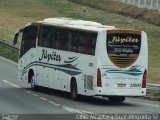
(83, 58)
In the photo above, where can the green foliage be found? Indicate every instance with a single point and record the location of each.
(8, 53)
(153, 93)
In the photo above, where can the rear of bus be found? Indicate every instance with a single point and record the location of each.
(122, 61)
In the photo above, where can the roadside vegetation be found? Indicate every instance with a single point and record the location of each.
(153, 93)
(16, 14)
(8, 53)
(150, 16)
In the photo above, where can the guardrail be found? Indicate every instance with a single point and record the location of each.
(153, 86)
(150, 4)
(149, 85)
(4, 44)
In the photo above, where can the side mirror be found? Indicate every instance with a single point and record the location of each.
(15, 38)
(16, 35)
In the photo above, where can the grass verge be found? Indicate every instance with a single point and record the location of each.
(148, 15)
(153, 93)
(8, 53)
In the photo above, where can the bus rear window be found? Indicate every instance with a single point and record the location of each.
(123, 47)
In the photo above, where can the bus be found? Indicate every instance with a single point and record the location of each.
(83, 58)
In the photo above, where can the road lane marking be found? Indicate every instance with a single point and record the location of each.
(69, 109)
(8, 60)
(35, 95)
(42, 98)
(143, 103)
(51, 102)
(72, 110)
(54, 103)
(12, 84)
(76, 110)
(29, 92)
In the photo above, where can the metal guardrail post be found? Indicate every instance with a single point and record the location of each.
(153, 86)
(150, 4)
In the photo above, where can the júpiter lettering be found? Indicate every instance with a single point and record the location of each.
(50, 56)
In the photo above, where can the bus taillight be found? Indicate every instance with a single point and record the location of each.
(99, 81)
(144, 79)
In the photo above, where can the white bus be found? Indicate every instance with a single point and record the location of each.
(83, 58)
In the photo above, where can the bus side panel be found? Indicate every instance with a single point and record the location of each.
(25, 64)
(57, 72)
(86, 78)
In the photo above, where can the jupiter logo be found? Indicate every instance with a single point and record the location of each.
(123, 47)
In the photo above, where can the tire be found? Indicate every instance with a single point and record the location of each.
(74, 93)
(33, 86)
(116, 99)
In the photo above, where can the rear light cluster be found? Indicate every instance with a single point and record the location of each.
(99, 81)
(144, 81)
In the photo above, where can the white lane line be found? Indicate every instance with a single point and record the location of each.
(35, 95)
(54, 103)
(144, 103)
(8, 60)
(28, 92)
(42, 98)
(12, 84)
(76, 110)
(51, 102)
(72, 110)
(62, 106)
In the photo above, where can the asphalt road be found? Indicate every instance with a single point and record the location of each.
(19, 102)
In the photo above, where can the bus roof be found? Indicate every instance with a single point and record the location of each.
(76, 23)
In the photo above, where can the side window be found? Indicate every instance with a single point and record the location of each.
(84, 42)
(75, 41)
(61, 36)
(90, 43)
(67, 39)
(55, 35)
(69, 43)
(45, 36)
(52, 37)
(28, 39)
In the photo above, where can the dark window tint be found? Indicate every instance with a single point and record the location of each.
(68, 39)
(45, 36)
(28, 39)
(85, 42)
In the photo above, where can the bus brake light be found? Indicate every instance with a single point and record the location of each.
(144, 82)
(99, 81)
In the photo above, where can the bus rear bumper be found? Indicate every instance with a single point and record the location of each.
(120, 92)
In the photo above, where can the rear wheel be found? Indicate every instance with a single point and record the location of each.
(116, 99)
(74, 94)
